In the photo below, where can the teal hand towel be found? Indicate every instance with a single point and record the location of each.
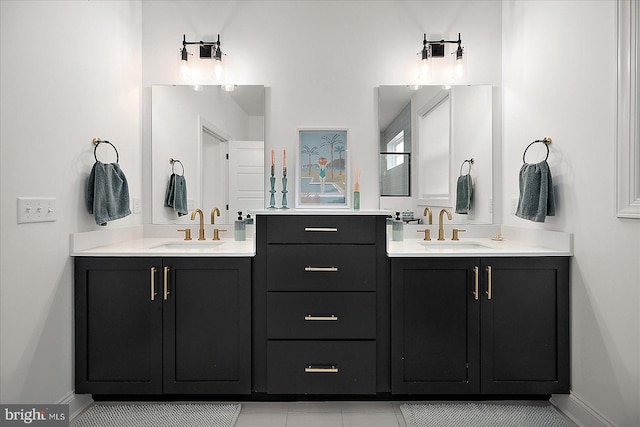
(170, 194)
(107, 193)
(180, 195)
(176, 196)
(464, 189)
(536, 200)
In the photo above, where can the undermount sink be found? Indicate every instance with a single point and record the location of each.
(454, 245)
(189, 244)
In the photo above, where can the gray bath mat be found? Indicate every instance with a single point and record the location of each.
(159, 415)
(481, 415)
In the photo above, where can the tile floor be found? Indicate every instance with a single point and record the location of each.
(320, 414)
(332, 414)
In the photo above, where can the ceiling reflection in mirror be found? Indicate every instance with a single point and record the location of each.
(426, 134)
(218, 137)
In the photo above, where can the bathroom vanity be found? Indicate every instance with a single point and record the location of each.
(321, 304)
(324, 303)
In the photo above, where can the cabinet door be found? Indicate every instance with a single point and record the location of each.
(525, 326)
(207, 325)
(435, 326)
(118, 326)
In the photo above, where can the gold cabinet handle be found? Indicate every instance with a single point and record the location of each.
(328, 370)
(166, 280)
(323, 269)
(153, 284)
(476, 274)
(311, 318)
(489, 282)
(321, 229)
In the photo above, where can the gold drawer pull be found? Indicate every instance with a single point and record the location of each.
(324, 269)
(321, 229)
(489, 284)
(166, 285)
(310, 317)
(475, 292)
(153, 284)
(311, 370)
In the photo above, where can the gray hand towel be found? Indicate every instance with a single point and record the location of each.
(180, 195)
(464, 190)
(536, 192)
(107, 193)
(176, 196)
(170, 195)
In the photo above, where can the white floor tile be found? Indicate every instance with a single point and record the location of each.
(370, 419)
(367, 407)
(315, 407)
(265, 407)
(269, 419)
(319, 419)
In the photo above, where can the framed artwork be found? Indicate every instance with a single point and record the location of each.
(322, 171)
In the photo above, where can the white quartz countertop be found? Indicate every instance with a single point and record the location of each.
(172, 247)
(470, 247)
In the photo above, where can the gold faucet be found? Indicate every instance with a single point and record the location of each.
(214, 211)
(440, 223)
(427, 210)
(201, 231)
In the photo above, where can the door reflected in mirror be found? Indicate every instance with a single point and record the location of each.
(426, 134)
(218, 137)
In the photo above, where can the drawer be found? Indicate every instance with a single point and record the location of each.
(321, 367)
(321, 315)
(321, 268)
(321, 229)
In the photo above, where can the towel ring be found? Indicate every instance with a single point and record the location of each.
(546, 141)
(470, 161)
(173, 164)
(98, 141)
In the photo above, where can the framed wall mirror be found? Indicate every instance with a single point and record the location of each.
(426, 135)
(628, 134)
(218, 137)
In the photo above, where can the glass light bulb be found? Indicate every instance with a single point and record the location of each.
(185, 71)
(459, 68)
(218, 70)
(424, 68)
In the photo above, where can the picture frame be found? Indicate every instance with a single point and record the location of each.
(322, 170)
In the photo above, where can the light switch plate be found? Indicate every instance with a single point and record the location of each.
(36, 209)
(137, 205)
(514, 205)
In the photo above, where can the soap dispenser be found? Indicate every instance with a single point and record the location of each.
(239, 228)
(397, 229)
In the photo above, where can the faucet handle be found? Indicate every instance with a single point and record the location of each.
(187, 233)
(216, 233)
(427, 233)
(455, 233)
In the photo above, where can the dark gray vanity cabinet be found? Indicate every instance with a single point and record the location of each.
(488, 326)
(321, 305)
(171, 325)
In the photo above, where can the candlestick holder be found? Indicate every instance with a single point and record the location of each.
(284, 189)
(272, 199)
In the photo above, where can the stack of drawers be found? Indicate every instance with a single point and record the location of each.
(321, 304)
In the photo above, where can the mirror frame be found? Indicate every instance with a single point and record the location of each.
(628, 129)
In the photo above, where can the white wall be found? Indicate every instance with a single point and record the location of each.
(321, 60)
(559, 80)
(70, 71)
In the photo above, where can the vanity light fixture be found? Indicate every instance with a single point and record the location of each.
(436, 49)
(210, 56)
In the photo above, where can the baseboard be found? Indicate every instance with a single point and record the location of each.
(579, 411)
(77, 403)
